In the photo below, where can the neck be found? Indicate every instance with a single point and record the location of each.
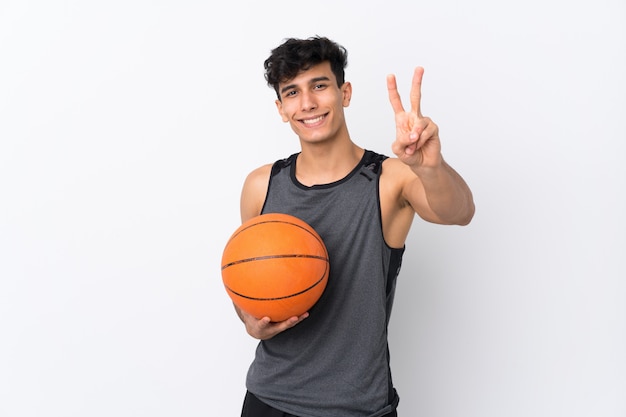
(322, 164)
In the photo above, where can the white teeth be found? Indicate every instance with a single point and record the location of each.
(311, 121)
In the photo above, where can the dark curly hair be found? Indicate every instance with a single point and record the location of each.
(295, 55)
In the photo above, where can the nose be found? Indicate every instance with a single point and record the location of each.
(308, 102)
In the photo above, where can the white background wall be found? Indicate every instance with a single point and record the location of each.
(127, 128)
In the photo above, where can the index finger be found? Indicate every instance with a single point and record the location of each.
(394, 96)
(416, 91)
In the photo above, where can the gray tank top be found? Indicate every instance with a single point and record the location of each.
(336, 362)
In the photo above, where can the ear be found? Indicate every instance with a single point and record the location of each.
(279, 107)
(346, 90)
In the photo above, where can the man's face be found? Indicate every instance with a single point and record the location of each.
(313, 104)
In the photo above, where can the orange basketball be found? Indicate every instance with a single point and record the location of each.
(275, 265)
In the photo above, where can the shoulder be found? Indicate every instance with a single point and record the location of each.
(256, 184)
(259, 174)
(397, 181)
(263, 173)
(396, 172)
(254, 190)
(257, 180)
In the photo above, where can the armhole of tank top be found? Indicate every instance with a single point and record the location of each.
(379, 160)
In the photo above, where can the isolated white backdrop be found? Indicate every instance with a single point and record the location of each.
(127, 128)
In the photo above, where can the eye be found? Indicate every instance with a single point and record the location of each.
(290, 93)
(320, 86)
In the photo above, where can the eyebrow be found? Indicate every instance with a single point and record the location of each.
(311, 81)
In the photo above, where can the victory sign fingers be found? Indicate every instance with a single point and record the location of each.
(417, 139)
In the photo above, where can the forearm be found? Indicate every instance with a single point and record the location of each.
(447, 193)
(239, 314)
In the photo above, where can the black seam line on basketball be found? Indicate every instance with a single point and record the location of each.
(277, 298)
(262, 258)
(278, 221)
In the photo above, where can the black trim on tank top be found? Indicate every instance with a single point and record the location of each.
(370, 160)
(394, 268)
(282, 163)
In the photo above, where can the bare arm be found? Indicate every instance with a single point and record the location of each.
(253, 192)
(431, 186)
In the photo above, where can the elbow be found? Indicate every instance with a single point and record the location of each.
(467, 215)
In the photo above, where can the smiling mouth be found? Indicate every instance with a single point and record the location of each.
(314, 120)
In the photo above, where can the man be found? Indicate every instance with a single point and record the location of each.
(333, 361)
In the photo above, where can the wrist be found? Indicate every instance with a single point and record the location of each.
(429, 169)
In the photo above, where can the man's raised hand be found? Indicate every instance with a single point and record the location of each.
(417, 137)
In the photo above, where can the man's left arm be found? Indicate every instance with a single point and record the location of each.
(435, 190)
(445, 192)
